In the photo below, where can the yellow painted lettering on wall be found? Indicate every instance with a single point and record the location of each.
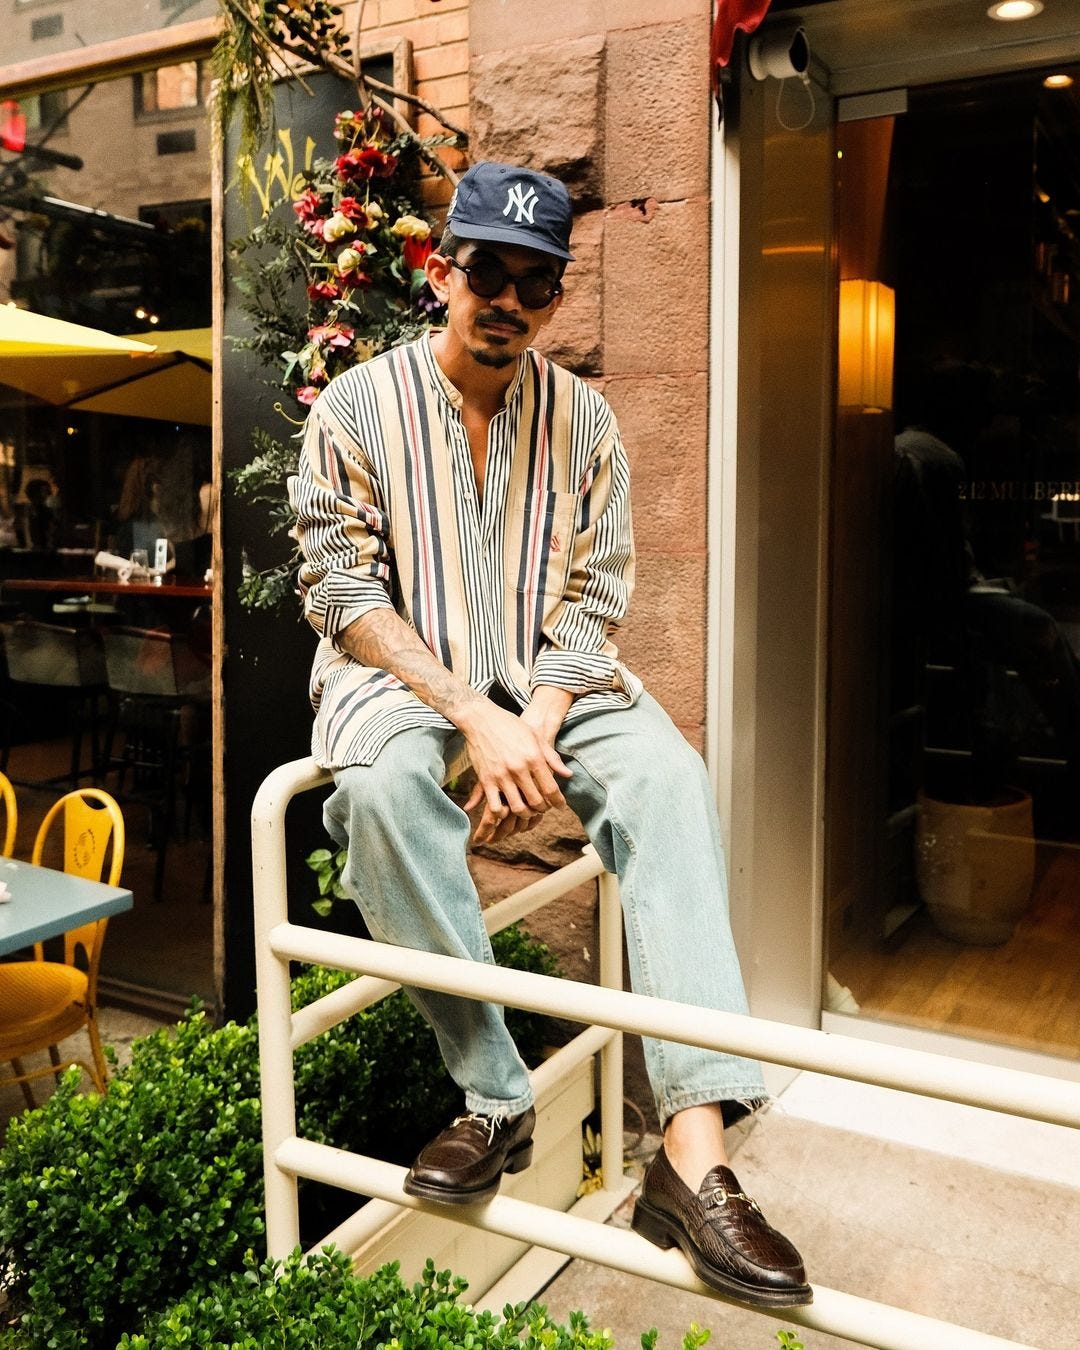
(279, 173)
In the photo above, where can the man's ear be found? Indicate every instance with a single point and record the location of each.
(437, 270)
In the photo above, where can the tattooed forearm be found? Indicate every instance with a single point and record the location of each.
(382, 639)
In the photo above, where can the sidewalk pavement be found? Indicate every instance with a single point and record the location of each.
(949, 1211)
(946, 1210)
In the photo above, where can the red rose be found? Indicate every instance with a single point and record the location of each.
(365, 163)
(308, 394)
(354, 209)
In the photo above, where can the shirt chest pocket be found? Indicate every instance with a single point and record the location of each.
(542, 546)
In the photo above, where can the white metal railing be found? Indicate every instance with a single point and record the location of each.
(607, 1011)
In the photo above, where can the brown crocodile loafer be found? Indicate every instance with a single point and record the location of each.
(723, 1235)
(465, 1163)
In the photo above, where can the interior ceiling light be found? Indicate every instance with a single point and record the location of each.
(1008, 10)
(1058, 81)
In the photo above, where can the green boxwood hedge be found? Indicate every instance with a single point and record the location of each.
(114, 1207)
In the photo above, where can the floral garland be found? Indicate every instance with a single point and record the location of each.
(357, 247)
(363, 257)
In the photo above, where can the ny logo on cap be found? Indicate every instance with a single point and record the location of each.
(524, 202)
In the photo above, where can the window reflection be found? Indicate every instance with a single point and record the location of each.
(954, 848)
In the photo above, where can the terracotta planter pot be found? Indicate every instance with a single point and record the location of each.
(975, 866)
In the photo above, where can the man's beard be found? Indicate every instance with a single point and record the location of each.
(495, 359)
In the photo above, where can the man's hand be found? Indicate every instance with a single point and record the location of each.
(514, 757)
(516, 771)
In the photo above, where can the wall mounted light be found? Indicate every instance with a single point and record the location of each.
(1008, 11)
(866, 344)
(1061, 81)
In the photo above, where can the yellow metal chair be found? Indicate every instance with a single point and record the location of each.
(43, 1002)
(11, 815)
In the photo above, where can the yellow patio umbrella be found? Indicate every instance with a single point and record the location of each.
(169, 381)
(25, 334)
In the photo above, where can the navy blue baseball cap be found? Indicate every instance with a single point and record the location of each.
(501, 204)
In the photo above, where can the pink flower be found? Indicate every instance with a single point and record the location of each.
(332, 335)
(312, 208)
(308, 394)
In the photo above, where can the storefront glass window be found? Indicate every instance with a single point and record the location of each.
(954, 840)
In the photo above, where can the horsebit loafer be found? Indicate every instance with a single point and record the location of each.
(723, 1235)
(464, 1164)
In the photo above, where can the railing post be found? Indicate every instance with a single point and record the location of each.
(611, 1057)
(270, 895)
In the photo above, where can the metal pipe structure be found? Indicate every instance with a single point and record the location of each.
(607, 1011)
(1017, 1093)
(832, 1311)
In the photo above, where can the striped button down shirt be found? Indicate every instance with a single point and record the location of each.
(521, 587)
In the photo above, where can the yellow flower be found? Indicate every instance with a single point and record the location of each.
(411, 227)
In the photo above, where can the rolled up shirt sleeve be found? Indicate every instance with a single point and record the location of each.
(341, 527)
(579, 654)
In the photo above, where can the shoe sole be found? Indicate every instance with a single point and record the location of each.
(519, 1157)
(663, 1231)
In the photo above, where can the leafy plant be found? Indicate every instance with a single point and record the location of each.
(789, 1340)
(337, 282)
(339, 277)
(113, 1206)
(317, 1303)
(328, 866)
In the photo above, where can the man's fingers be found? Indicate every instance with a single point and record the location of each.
(556, 764)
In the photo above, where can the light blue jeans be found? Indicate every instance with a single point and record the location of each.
(644, 800)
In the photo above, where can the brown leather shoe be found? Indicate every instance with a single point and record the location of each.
(723, 1235)
(465, 1163)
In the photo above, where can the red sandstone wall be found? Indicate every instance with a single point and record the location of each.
(614, 98)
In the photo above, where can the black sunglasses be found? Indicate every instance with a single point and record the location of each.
(487, 278)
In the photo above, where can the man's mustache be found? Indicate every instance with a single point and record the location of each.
(507, 320)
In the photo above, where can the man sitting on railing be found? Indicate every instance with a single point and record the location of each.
(464, 515)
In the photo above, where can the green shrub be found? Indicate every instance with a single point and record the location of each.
(316, 1303)
(112, 1207)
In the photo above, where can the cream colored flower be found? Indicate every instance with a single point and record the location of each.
(349, 259)
(411, 227)
(337, 227)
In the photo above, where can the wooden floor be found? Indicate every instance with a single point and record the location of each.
(1025, 993)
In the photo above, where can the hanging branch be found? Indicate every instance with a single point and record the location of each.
(265, 40)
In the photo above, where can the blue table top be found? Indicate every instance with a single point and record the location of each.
(45, 903)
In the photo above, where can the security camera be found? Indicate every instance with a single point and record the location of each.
(781, 51)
